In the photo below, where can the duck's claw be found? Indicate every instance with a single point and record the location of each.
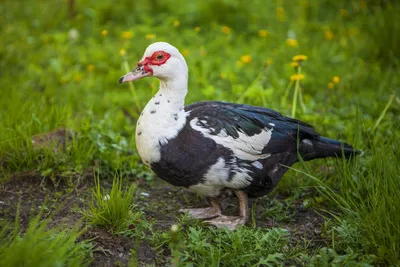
(231, 222)
(202, 213)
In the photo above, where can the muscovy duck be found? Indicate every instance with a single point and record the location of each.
(212, 147)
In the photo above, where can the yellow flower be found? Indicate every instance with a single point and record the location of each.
(297, 77)
(90, 68)
(292, 42)
(300, 58)
(280, 14)
(226, 30)
(245, 59)
(104, 32)
(177, 23)
(353, 31)
(203, 52)
(331, 85)
(343, 12)
(77, 77)
(122, 52)
(263, 33)
(197, 29)
(185, 52)
(127, 35)
(336, 79)
(223, 75)
(329, 35)
(150, 36)
(294, 64)
(269, 61)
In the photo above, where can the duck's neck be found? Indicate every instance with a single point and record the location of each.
(173, 91)
(162, 119)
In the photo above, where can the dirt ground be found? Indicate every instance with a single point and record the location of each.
(160, 203)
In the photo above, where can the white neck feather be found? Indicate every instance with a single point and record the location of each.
(174, 90)
(162, 118)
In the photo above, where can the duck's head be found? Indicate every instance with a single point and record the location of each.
(160, 60)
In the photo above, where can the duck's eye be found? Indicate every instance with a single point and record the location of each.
(159, 56)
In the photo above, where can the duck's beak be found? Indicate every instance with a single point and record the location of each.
(135, 74)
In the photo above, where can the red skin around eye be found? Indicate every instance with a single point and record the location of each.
(154, 61)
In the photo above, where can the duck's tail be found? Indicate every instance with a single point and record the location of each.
(324, 147)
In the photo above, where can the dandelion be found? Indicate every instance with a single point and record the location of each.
(292, 42)
(197, 29)
(174, 228)
(185, 52)
(343, 12)
(353, 31)
(203, 52)
(294, 64)
(245, 59)
(336, 79)
(226, 30)
(280, 14)
(331, 85)
(269, 61)
(73, 34)
(90, 68)
(104, 32)
(177, 23)
(77, 77)
(329, 35)
(300, 58)
(127, 35)
(150, 36)
(263, 33)
(297, 77)
(122, 52)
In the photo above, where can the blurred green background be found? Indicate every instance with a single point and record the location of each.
(61, 61)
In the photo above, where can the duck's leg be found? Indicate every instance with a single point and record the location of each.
(232, 222)
(205, 213)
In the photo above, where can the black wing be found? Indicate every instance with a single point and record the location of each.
(252, 120)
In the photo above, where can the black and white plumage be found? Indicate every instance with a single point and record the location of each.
(209, 147)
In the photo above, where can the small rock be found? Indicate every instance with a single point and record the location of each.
(144, 194)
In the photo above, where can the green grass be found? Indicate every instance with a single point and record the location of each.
(216, 247)
(112, 210)
(41, 245)
(62, 72)
(369, 204)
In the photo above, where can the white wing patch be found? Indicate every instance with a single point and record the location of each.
(244, 147)
(257, 164)
(217, 178)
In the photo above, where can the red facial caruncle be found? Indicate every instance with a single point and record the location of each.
(157, 59)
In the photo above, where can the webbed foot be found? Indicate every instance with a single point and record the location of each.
(205, 213)
(231, 222)
(202, 213)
